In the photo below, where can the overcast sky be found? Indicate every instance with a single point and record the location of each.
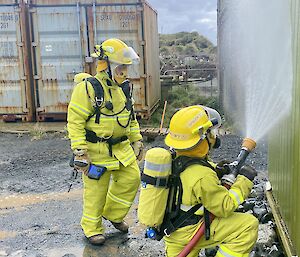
(187, 15)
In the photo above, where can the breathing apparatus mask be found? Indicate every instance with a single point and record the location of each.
(119, 73)
(213, 140)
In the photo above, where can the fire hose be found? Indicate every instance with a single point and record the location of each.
(227, 180)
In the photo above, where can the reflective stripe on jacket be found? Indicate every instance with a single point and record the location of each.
(201, 185)
(81, 108)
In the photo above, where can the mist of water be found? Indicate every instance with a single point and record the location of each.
(256, 63)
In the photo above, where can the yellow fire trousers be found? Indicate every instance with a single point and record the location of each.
(235, 235)
(109, 198)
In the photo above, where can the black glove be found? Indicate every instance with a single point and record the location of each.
(222, 168)
(248, 172)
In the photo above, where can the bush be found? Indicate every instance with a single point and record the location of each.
(179, 97)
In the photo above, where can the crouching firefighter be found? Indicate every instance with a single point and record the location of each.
(105, 139)
(180, 189)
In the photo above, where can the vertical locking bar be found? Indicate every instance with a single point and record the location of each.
(79, 33)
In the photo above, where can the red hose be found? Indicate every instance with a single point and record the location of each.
(195, 239)
(200, 232)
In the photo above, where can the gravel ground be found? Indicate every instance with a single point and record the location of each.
(40, 218)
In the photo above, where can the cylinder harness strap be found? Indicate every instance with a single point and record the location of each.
(155, 181)
(93, 138)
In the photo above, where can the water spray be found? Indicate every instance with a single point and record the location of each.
(247, 146)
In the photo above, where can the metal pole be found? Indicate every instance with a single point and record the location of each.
(219, 74)
(95, 23)
(163, 117)
(79, 34)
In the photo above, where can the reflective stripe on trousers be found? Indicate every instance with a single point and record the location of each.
(225, 252)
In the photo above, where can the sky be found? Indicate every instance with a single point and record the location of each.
(187, 15)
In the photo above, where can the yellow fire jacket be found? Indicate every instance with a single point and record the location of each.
(201, 185)
(79, 110)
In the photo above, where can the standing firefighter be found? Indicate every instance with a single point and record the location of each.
(199, 191)
(105, 134)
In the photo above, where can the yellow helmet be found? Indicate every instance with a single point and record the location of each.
(189, 126)
(116, 51)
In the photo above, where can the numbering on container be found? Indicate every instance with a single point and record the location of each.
(3, 25)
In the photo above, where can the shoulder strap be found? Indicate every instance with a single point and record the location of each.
(182, 162)
(99, 92)
(99, 97)
(127, 90)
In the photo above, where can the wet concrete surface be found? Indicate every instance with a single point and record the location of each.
(40, 218)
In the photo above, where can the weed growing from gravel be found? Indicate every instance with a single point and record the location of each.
(37, 132)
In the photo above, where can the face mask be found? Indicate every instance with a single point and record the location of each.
(213, 140)
(217, 142)
(120, 73)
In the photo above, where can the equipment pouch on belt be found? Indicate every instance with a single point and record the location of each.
(95, 172)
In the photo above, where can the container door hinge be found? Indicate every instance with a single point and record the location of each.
(36, 77)
(35, 44)
(89, 59)
(40, 109)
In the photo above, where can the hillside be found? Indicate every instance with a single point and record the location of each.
(187, 50)
(185, 43)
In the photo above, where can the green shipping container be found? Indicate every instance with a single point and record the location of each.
(284, 146)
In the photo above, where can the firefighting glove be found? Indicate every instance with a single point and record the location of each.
(222, 168)
(248, 172)
(81, 161)
(138, 148)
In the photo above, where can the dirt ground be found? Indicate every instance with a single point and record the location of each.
(40, 218)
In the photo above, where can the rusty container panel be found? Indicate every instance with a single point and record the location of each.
(151, 58)
(64, 35)
(284, 146)
(135, 23)
(57, 44)
(13, 100)
(118, 21)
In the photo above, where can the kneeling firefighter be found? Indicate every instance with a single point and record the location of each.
(105, 139)
(179, 190)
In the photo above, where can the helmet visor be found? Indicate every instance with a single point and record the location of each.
(213, 114)
(125, 56)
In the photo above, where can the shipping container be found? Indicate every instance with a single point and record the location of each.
(15, 75)
(45, 43)
(63, 35)
(284, 147)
